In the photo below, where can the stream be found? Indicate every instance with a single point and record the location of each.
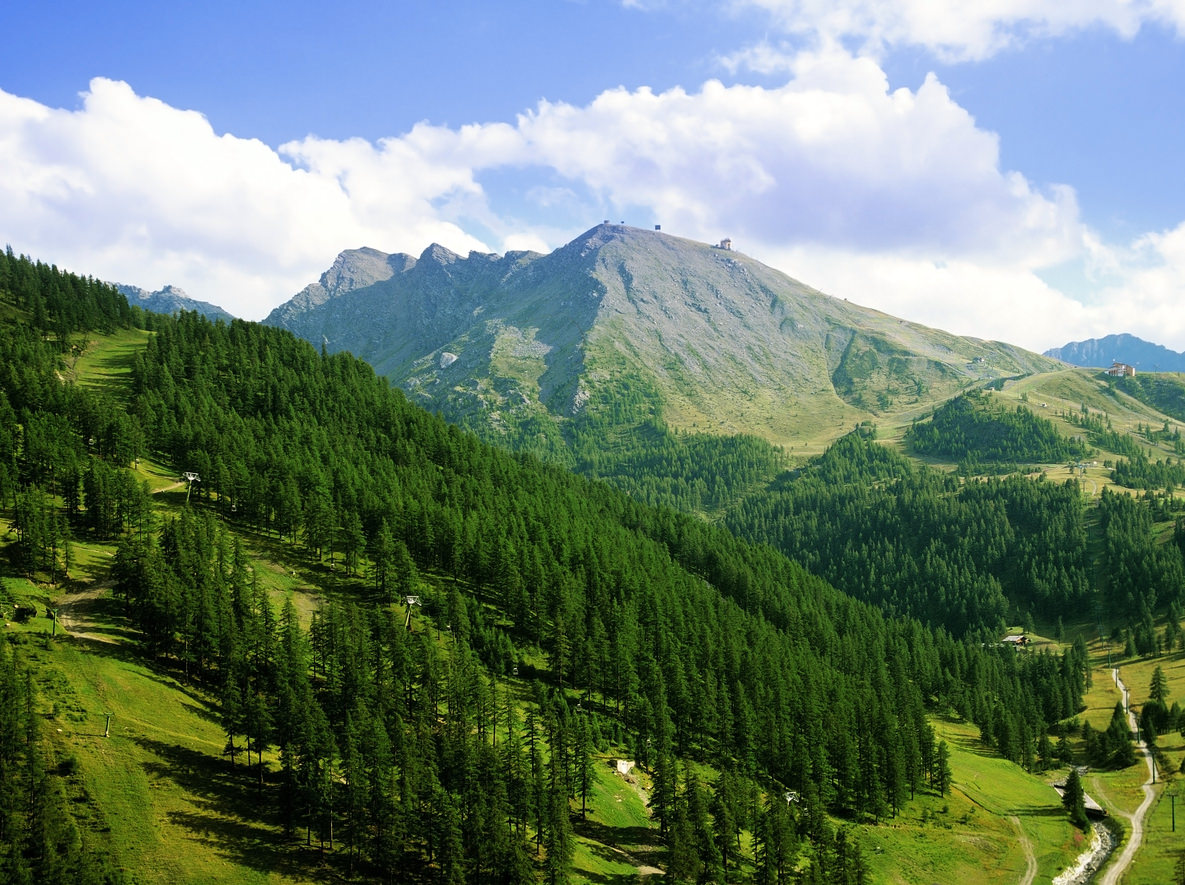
(1092, 859)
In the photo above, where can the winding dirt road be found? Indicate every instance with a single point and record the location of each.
(1136, 835)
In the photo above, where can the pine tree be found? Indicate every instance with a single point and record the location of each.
(726, 828)
(942, 772)
(1045, 751)
(450, 846)
(559, 840)
(582, 762)
(774, 836)
(1158, 690)
(1073, 800)
(1118, 739)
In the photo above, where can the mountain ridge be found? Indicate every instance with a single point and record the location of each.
(170, 300)
(1123, 348)
(705, 338)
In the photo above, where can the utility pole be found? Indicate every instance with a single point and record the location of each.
(107, 729)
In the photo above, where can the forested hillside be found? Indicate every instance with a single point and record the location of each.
(973, 430)
(559, 619)
(1164, 390)
(969, 555)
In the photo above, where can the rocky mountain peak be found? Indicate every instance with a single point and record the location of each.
(170, 299)
(358, 268)
(440, 255)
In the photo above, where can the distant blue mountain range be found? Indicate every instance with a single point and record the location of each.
(1102, 352)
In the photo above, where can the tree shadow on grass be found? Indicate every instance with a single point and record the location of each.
(126, 652)
(610, 878)
(1039, 811)
(638, 845)
(203, 711)
(974, 745)
(163, 670)
(232, 816)
(247, 844)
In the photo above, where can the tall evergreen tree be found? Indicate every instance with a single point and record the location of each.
(1073, 800)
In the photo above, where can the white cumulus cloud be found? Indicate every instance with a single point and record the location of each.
(834, 158)
(130, 189)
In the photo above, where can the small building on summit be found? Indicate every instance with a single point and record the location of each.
(1122, 370)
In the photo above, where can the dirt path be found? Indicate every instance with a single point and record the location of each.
(1136, 835)
(74, 612)
(1030, 857)
(645, 870)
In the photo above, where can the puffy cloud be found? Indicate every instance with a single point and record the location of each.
(970, 30)
(1133, 289)
(130, 189)
(833, 158)
(1144, 296)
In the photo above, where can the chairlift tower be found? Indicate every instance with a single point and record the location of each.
(190, 479)
(409, 601)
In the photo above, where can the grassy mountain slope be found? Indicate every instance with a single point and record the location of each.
(1065, 396)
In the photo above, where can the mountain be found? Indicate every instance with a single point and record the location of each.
(1102, 352)
(432, 652)
(626, 326)
(170, 300)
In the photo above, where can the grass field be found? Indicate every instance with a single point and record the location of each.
(977, 832)
(106, 361)
(154, 791)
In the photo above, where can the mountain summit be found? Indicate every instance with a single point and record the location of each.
(634, 325)
(170, 300)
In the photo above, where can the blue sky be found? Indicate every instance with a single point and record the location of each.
(1010, 175)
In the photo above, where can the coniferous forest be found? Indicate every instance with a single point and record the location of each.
(971, 427)
(558, 618)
